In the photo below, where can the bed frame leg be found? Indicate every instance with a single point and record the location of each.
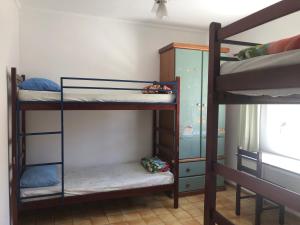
(176, 200)
(212, 126)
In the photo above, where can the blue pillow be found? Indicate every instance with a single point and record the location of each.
(39, 84)
(39, 176)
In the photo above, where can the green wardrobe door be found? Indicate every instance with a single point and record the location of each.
(188, 66)
(221, 124)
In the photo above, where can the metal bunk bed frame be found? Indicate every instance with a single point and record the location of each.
(218, 93)
(18, 164)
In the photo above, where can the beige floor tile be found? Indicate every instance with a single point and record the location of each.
(153, 221)
(132, 216)
(116, 218)
(101, 220)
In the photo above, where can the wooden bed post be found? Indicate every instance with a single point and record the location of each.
(23, 129)
(212, 125)
(13, 180)
(176, 147)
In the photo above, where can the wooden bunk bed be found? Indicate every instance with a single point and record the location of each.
(168, 153)
(232, 89)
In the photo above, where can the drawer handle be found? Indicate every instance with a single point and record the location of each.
(187, 185)
(188, 170)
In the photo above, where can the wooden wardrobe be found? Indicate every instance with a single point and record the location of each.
(190, 62)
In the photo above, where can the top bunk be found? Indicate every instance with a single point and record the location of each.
(77, 93)
(270, 78)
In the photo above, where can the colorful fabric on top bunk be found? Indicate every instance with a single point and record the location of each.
(157, 89)
(270, 48)
(155, 165)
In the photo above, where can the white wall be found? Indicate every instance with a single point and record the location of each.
(55, 44)
(9, 55)
(282, 28)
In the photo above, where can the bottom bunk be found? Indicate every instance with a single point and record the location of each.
(95, 183)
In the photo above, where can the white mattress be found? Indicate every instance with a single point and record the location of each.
(268, 61)
(103, 179)
(27, 95)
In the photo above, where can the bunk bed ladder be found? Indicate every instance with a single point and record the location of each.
(21, 165)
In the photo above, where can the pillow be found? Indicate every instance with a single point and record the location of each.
(39, 84)
(39, 176)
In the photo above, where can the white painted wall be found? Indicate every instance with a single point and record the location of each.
(55, 44)
(281, 28)
(9, 56)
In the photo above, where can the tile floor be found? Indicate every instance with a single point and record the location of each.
(152, 210)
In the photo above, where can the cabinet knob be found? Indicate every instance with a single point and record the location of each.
(187, 185)
(188, 170)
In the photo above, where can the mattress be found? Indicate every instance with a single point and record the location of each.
(264, 62)
(46, 96)
(103, 179)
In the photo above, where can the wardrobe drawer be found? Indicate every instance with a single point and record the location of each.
(191, 183)
(191, 168)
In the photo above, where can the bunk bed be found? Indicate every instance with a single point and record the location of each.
(108, 181)
(228, 84)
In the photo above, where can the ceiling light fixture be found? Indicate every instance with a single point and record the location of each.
(160, 9)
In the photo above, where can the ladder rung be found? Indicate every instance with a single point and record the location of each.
(41, 133)
(44, 164)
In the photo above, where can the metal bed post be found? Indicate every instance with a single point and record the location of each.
(62, 136)
(212, 125)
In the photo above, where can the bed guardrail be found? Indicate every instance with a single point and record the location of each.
(172, 83)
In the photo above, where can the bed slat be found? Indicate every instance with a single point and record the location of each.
(270, 78)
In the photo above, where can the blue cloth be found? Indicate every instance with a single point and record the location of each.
(39, 176)
(39, 84)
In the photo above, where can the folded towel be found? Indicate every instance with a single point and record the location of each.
(154, 165)
(270, 48)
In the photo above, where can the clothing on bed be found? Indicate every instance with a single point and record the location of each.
(157, 89)
(270, 48)
(155, 165)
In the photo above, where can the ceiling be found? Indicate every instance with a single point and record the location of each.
(185, 13)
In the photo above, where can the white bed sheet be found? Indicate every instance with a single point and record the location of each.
(27, 95)
(103, 179)
(269, 61)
